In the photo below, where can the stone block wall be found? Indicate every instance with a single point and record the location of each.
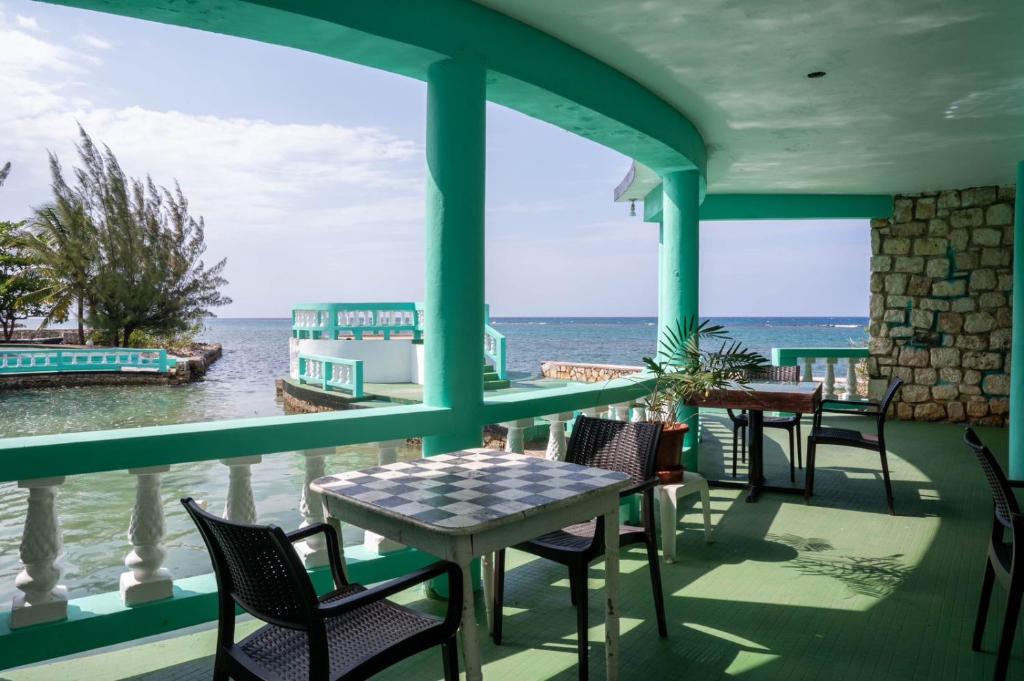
(941, 279)
(586, 373)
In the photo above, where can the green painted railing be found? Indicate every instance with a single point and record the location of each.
(808, 357)
(332, 372)
(59, 360)
(330, 321)
(42, 463)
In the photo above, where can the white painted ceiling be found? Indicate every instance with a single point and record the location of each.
(920, 94)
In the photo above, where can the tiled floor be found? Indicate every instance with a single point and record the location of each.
(837, 590)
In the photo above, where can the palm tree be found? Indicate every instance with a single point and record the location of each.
(63, 244)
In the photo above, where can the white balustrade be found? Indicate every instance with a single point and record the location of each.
(146, 579)
(313, 549)
(619, 411)
(240, 505)
(808, 368)
(387, 451)
(830, 378)
(595, 412)
(41, 598)
(556, 448)
(515, 435)
(852, 391)
(639, 412)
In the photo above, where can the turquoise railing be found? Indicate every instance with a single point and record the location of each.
(40, 465)
(57, 360)
(809, 357)
(332, 320)
(332, 372)
(329, 321)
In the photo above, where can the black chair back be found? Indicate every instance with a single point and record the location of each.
(787, 374)
(629, 448)
(258, 568)
(883, 406)
(1006, 506)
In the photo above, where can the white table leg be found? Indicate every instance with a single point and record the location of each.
(705, 502)
(611, 592)
(667, 503)
(333, 521)
(470, 636)
(487, 568)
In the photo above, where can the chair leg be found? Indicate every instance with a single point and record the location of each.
(1009, 627)
(799, 445)
(735, 443)
(659, 596)
(572, 588)
(582, 624)
(792, 469)
(450, 656)
(499, 597)
(743, 443)
(888, 482)
(220, 669)
(983, 603)
(809, 473)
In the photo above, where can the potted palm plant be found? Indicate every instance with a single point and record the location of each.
(694, 358)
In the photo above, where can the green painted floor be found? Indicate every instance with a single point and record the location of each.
(838, 590)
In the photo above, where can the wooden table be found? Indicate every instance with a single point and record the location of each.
(757, 398)
(469, 504)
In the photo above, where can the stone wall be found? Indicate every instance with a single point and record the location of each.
(941, 281)
(586, 373)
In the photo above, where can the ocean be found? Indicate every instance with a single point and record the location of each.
(95, 509)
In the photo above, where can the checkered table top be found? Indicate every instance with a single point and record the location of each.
(469, 488)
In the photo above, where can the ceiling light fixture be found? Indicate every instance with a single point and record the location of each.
(816, 74)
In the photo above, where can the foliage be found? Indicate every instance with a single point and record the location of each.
(177, 343)
(138, 247)
(685, 369)
(19, 280)
(63, 241)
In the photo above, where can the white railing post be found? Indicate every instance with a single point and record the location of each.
(240, 505)
(830, 378)
(515, 435)
(387, 451)
(851, 379)
(595, 412)
(620, 411)
(313, 549)
(639, 412)
(146, 579)
(808, 369)
(41, 598)
(555, 450)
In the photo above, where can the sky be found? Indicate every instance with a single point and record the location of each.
(309, 172)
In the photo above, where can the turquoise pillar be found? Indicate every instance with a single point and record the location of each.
(679, 264)
(454, 290)
(1017, 339)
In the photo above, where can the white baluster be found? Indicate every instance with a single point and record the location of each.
(146, 579)
(620, 411)
(851, 379)
(41, 598)
(387, 451)
(556, 436)
(516, 432)
(830, 377)
(808, 368)
(313, 550)
(639, 412)
(595, 412)
(240, 505)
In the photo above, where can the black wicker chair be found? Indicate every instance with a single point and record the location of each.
(788, 422)
(349, 633)
(846, 437)
(1005, 555)
(630, 448)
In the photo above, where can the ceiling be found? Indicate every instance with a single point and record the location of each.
(919, 94)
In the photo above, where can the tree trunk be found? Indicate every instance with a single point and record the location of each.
(8, 329)
(81, 322)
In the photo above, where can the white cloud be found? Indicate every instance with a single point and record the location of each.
(28, 23)
(95, 42)
(342, 194)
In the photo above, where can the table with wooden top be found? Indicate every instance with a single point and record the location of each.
(757, 398)
(469, 504)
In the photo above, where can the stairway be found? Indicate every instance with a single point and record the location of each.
(491, 380)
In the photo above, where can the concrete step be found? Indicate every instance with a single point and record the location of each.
(496, 384)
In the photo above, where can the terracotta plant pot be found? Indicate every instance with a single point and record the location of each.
(668, 467)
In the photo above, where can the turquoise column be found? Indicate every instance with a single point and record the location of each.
(1017, 339)
(679, 264)
(454, 289)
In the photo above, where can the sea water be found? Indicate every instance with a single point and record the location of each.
(95, 509)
